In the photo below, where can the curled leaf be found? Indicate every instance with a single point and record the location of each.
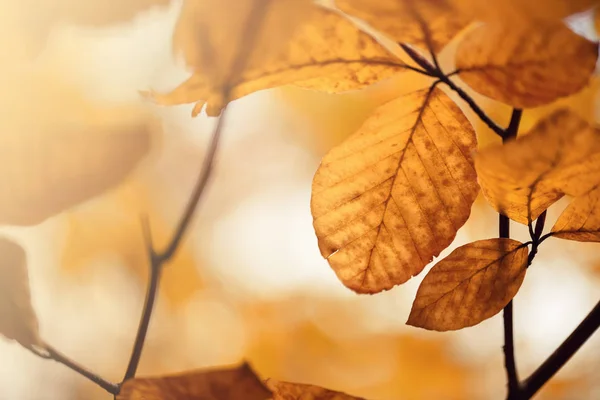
(561, 155)
(298, 391)
(18, 320)
(394, 194)
(240, 383)
(526, 66)
(472, 284)
(581, 219)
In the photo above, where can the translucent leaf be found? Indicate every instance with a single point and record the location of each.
(268, 43)
(298, 391)
(221, 384)
(17, 317)
(393, 195)
(474, 283)
(526, 66)
(581, 219)
(561, 155)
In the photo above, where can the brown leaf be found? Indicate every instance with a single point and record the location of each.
(526, 66)
(280, 42)
(394, 194)
(561, 155)
(581, 219)
(298, 391)
(409, 21)
(240, 383)
(475, 282)
(17, 317)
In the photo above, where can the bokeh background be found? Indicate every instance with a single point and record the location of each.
(249, 282)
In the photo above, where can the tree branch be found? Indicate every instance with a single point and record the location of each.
(158, 259)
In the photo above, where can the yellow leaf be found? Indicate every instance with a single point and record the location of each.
(561, 155)
(240, 383)
(280, 42)
(581, 219)
(405, 21)
(472, 284)
(526, 66)
(17, 317)
(394, 194)
(298, 391)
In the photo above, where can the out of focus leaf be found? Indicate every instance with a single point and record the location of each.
(561, 155)
(409, 21)
(581, 219)
(239, 47)
(298, 391)
(393, 195)
(240, 383)
(472, 284)
(17, 317)
(526, 66)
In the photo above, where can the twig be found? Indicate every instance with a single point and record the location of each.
(158, 259)
(562, 354)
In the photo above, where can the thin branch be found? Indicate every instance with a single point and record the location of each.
(159, 259)
(563, 353)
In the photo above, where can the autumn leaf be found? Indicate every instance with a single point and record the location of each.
(394, 194)
(561, 155)
(472, 284)
(526, 66)
(268, 43)
(18, 320)
(409, 21)
(581, 219)
(240, 383)
(298, 391)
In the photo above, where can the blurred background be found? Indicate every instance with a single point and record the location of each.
(249, 282)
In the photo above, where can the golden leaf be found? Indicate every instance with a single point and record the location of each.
(393, 195)
(526, 66)
(475, 282)
(278, 43)
(298, 391)
(17, 317)
(409, 21)
(240, 383)
(561, 155)
(581, 219)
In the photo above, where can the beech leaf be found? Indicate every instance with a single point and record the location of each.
(409, 21)
(521, 179)
(298, 391)
(267, 43)
(239, 383)
(18, 320)
(474, 283)
(393, 195)
(526, 66)
(580, 221)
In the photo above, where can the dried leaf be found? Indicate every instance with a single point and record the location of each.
(526, 66)
(298, 391)
(268, 43)
(409, 21)
(17, 317)
(581, 219)
(475, 282)
(561, 155)
(239, 383)
(394, 194)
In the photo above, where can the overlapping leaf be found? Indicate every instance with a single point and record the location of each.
(394, 194)
(581, 219)
(561, 155)
(526, 66)
(266, 43)
(298, 391)
(17, 317)
(472, 284)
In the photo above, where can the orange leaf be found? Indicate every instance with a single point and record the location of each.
(393, 195)
(472, 284)
(298, 391)
(581, 219)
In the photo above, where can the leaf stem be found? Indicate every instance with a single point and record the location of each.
(158, 259)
